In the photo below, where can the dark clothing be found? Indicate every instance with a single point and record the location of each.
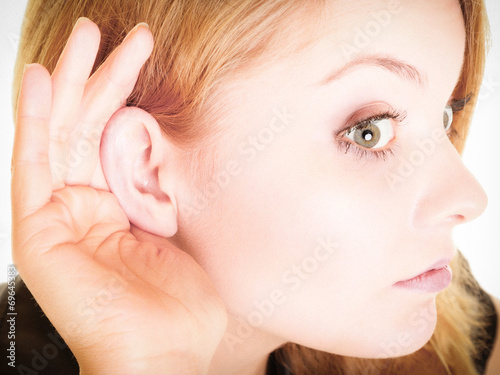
(40, 350)
(38, 347)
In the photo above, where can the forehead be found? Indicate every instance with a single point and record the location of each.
(405, 27)
(343, 30)
(426, 33)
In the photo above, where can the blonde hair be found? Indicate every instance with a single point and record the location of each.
(198, 44)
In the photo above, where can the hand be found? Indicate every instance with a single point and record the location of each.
(123, 304)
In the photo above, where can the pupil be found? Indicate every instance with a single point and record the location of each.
(367, 135)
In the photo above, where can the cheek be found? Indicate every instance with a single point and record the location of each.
(288, 233)
(305, 243)
(332, 248)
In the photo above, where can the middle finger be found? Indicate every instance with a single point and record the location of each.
(106, 92)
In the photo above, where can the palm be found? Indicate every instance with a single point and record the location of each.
(115, 299)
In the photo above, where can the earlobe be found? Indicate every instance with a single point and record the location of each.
(133, 156)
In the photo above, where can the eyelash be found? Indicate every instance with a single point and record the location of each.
(399, 117)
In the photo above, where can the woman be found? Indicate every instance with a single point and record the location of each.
(290, 171)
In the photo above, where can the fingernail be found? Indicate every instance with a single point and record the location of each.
(80, 20)
(134, 30)
(143, 24)
(26, 66)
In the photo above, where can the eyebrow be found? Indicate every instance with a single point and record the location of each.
(400, 68)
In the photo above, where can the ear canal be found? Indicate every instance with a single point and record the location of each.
(148, 183)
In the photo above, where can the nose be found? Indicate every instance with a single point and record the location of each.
(448, 193)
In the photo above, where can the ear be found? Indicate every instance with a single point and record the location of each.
(134, 154)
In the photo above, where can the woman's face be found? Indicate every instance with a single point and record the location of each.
(306, 223)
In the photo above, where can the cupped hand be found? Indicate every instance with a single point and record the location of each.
(123, 305)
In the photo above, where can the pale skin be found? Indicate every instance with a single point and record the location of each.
(162, 301)
(96, 242)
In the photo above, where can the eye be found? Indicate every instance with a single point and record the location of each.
(447, 117)
(372, 133)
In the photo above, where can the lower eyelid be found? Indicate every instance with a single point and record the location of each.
(362, 153)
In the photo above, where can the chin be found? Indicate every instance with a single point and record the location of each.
(416, 332)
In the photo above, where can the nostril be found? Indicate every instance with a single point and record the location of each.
(456, 219)
(459, 218)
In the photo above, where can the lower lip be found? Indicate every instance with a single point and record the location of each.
(432, 281)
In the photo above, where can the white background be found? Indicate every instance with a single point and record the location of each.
(478, 240)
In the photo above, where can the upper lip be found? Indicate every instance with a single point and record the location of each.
(439, 264)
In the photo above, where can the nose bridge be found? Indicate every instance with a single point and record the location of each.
(446, 189)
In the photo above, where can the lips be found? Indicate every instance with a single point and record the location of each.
(439, 264)
(433, 280)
